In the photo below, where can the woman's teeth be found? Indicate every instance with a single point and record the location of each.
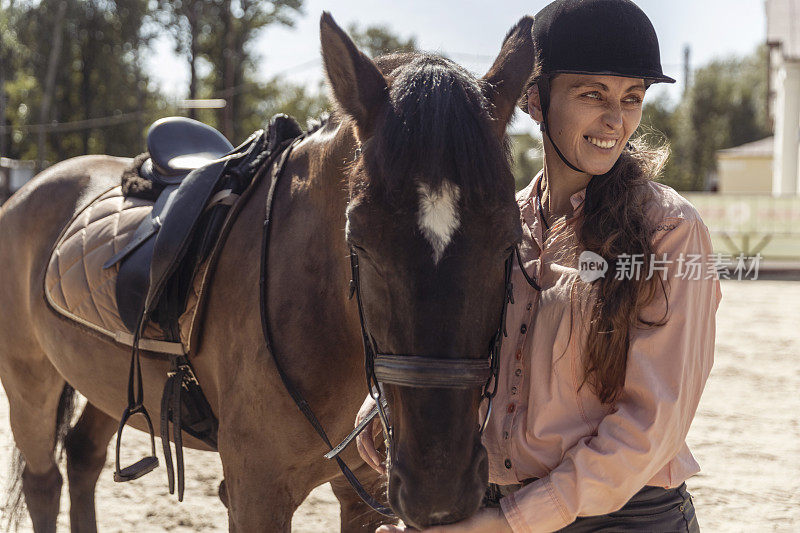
(600, 143)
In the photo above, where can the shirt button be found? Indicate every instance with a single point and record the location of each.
(511, 408)
(523, 329)
(518, 372)
(513, 390)
(529, 306)
(508, 463)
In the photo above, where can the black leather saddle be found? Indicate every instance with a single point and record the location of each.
(192, 203)
(178, 145)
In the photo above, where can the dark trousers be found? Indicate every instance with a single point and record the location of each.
(652, 509)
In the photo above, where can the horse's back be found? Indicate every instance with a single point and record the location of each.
(32, 219)
(66, 186)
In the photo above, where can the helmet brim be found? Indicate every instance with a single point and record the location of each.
(653, 77)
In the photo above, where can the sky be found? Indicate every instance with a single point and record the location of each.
(470, 33)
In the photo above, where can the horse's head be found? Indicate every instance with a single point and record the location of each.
(432, 219)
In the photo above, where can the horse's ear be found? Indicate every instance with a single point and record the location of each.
(358, 86)
(509, 73)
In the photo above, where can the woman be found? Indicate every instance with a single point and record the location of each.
(603, 369)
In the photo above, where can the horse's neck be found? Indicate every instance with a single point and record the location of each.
(309, 211)
(313, 321)
(319, 183)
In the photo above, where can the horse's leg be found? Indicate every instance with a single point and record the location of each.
(259, 502)
(36, 395)
(357, 516)
(86, 446)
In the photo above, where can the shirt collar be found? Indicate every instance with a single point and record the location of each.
(576, 199)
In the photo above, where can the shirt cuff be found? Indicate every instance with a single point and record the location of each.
(535, 508)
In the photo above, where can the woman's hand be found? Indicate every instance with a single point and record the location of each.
(366, 439)
(486, 520)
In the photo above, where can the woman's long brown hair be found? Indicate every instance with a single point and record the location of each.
(613, 222)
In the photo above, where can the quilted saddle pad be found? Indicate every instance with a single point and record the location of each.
(76, 284)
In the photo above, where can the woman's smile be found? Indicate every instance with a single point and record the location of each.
(606, 145)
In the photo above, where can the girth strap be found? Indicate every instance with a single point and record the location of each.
(171, 405)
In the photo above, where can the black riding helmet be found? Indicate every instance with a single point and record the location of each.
(602, 37)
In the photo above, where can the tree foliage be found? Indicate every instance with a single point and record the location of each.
(725, 107)
(527, 157)
(380, 39)
(97, 74)
(102, 99)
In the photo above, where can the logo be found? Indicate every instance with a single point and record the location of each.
(591, 266)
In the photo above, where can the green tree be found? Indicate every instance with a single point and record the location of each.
(262, 99)
(724, 108)
(185, 20)
(233, 26)
(96, 79)
(527, 153)
(12, 56)
(380, 39)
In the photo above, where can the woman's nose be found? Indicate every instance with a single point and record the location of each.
(613, 116)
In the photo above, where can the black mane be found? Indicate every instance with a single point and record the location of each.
(438, 127)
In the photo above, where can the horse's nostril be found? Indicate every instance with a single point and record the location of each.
(395, 480)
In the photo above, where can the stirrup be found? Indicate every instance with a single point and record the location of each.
(142, 466)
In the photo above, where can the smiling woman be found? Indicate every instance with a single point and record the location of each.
(599, 377)
(596, 117)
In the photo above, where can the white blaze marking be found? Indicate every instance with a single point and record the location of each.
(438, 215)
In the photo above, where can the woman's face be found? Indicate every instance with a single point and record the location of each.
(591, 117)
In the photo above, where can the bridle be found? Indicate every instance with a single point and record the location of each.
(430, 372)
(405, 370)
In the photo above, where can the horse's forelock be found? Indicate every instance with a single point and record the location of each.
(438, 128)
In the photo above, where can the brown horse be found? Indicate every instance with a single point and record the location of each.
(429, 207)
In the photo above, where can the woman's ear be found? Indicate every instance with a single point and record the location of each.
(535, 103)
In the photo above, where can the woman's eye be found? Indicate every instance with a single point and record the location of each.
(594, 95)
(633, 100)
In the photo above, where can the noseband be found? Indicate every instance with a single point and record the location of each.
(430, 372)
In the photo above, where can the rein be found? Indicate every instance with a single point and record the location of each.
(296, 395)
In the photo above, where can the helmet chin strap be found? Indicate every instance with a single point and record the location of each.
(544, 99)
(544, 129)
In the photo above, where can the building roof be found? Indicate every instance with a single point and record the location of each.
(762, 148)
(783, 26)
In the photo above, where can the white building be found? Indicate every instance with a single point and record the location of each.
(783, 38)
(13, 175)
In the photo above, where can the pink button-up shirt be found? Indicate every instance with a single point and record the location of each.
(592, 458)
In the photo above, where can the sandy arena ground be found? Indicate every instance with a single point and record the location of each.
(746, 437)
